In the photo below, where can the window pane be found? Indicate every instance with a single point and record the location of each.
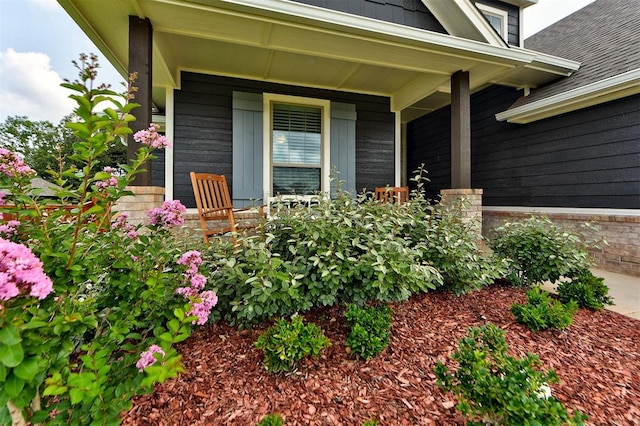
(296, 180)
(495, 21)
(297, 132)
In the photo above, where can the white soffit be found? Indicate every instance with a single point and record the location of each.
(612, 88)
(293, 43)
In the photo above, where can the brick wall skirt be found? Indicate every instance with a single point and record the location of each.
(620, 228)
(144, 199)
(472, 204)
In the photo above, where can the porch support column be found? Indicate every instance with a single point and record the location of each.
(460, 130)
(140, 52)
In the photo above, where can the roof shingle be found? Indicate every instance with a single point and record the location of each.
(604, 37)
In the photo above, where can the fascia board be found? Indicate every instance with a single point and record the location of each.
(384, 29)
(544, 59)
(621, 85)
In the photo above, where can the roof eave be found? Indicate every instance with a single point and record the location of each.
(609, 89)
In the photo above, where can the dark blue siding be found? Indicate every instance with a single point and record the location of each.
(203, 129)
(412, 13)
(585, 158)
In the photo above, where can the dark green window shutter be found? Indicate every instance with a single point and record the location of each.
(247, 149)
(343, 145)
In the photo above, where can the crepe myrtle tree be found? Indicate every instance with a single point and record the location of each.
(91, 306)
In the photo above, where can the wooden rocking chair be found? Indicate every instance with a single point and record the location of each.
(215, 206)
(392, 194)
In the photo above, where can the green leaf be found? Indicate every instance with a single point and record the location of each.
(76, 395)
(27, 369)
(10, 335)
(13, 386)
(11, 355)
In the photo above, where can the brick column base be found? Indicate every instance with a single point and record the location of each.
(471, 207)
(144, 199)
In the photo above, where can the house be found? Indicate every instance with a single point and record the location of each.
(276, 94)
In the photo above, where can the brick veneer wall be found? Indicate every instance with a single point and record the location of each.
(620, 228)
(472, 199)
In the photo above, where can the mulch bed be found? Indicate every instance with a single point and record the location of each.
(597, 360)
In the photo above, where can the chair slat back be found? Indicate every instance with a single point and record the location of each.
(392, 194)
(214, 203)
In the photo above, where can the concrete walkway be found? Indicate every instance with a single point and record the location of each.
(623, 289)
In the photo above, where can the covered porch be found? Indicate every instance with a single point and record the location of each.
(282, 43)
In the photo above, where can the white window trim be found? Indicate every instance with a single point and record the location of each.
(502, 14)
(268, 100)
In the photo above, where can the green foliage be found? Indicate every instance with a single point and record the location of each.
(345, 250)
(495, 388)
(287, 342)
(540, 251)
(451, 245)
(71, 357)
(371, 422)
(542, 312)
(271, 420)
(370, 329)
(48, 147)
(587, 290)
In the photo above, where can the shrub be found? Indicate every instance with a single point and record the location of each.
(585, 289)
(540, 251)
(371, 422)
(370, 329)
(339, 250)
(95, 318)
(451, 245)
(287, 342)
(542, 312)
(271, 420)
(493, 387)
(346, 249)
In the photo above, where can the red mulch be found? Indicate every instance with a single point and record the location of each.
(597, 360)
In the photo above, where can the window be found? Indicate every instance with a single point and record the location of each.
(497, 18)
(297, 146)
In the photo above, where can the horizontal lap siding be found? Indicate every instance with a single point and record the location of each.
(203, 129)
(429, 143)
(411, 13)
(586, 158)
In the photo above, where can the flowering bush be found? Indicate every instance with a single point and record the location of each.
(91, 306)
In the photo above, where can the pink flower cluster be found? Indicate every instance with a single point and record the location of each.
(12, 166)
(201, 302)
(147, 358)
(168, 215)
(122, 224)
(9, 229)
(151, 137)
(110, 182)
(21, 271)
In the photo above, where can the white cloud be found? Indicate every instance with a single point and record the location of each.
(29, 86)
(547, 12)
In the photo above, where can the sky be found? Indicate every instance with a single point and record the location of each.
(38, 41)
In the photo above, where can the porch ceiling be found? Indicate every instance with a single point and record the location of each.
(287, 42)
